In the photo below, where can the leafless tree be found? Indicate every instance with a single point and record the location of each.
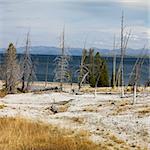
(83, 69)
(124, 43)
(122, 56)
(114, 64)
(11, 70)
(46, 72)
(62, 63)
(135, 75)
(27, 67)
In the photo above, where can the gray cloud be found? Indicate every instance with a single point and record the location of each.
(45, 18)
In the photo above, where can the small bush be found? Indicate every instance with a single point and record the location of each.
(3, 93)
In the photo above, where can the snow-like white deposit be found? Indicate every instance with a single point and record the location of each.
(105, 112)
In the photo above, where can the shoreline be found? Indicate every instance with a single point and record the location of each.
(40, 85)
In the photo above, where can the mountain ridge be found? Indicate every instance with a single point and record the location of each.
(52, 50)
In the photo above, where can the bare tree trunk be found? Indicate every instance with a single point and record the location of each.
(95, 92)
(62, 60)
(23, 84)
(122, 56)
(27, 70)
(62, 64)
(136, 78)
(82, 68)
(114, 64)
(134, 93)
(46, 73)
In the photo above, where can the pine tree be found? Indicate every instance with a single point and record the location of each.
(11, 70)
(92, 78)
(104, 78)
(98, 67)
(97, 73)
(101, 78)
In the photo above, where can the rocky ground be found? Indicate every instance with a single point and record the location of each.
(105, 118)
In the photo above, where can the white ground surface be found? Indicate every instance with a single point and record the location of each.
(100, 115)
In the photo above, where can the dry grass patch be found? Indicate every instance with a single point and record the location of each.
(121, 107)
(90, 109)
(120, 102)
(124, 103)
(120, 110)
(21, 134)
(2, 106)
(63, 108)
(88, 89)
(79, 120)
(144, 111)
(112, 142)
(3, 93)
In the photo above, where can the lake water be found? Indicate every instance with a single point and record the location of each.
(41, 63)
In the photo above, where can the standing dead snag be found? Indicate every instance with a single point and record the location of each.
(46, 72)
(114, 64)
(135, 75)
(122, 56)
(11, 70)
(124, 43)
(27, 68)
(62, 64)
(83, 70)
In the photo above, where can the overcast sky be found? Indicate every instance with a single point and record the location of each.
(94, 20)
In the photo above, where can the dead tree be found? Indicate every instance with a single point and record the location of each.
(62, 64)
(114, 65)
(98, 77)
(135, 75)
(46, 72)
(122, 56)
(135, 83)
(124, 43)
(139, 60)
(136, 79)
(27, 67)
(83, 69)
(11, 70)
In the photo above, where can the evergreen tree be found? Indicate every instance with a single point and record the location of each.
(98, 67)
(104, 78)
(11, 69)
(91, 66)
(96, 72)
(99, 76)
